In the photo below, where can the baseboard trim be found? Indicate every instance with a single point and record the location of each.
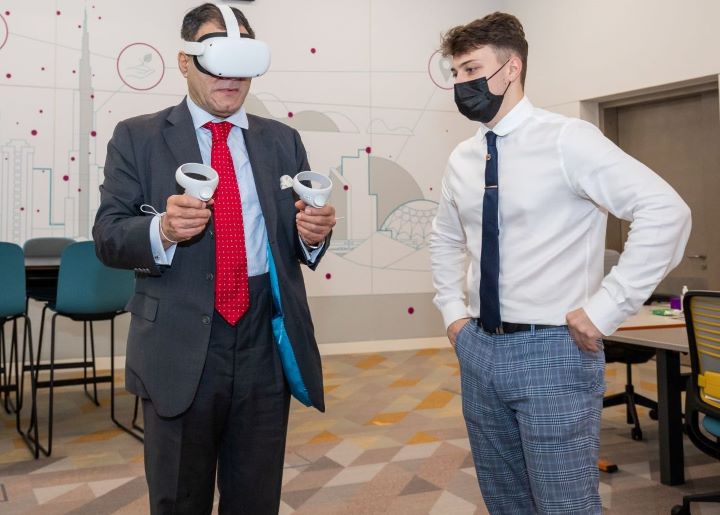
(334, 349)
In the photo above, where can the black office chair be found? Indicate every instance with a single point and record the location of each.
(629, 354)
(702, 318)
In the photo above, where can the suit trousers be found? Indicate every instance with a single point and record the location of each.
(235, 428)
(532, 402)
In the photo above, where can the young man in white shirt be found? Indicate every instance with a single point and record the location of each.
(527, 200)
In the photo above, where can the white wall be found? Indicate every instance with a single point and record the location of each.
(583, 49)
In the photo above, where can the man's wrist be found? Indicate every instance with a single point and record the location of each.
(313, 246)
(165, 239)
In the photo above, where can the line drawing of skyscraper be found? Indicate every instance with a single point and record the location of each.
(84, 128)
(17, 163)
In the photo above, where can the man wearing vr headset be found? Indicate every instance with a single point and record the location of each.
(202, 356)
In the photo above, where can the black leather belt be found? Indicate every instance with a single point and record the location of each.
(509, 327)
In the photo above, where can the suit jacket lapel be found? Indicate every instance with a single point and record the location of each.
(262, 167)
(180, 136)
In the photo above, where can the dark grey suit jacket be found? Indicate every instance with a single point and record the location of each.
(172, 308)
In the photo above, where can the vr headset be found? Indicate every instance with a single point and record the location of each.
(229, 54)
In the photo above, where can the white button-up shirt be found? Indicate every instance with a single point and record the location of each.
(558, 178)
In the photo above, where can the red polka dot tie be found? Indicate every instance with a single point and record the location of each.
(231, 277)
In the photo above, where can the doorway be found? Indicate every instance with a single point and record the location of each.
(676, 132)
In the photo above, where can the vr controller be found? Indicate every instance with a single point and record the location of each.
(198, 180)
(313, 196)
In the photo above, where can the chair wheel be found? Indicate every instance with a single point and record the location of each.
(653, 414)
(679, 510)
(636, 433)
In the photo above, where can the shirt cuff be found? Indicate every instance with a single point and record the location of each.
(161, 255)
(453, 311)
(604, 312)
(311, 254)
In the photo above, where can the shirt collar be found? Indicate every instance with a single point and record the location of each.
(200, 117)
(512, 120)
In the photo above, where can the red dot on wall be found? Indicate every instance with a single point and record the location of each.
(37, 210)
(8, 75)
(22, 209)
(368, 150)
(66, 178)
(93, 133)
(313, 50)
(411, 310)
(40, 111)
(79, 26)
(33, 132)
(346, 187)
(328, 276)
(92, 95)
(99, 17)
(74, 71)
(72, 158)
(430, 188)
(291, 114)
(58, 13)
(42, 68)
(7, 13)
(79, 189)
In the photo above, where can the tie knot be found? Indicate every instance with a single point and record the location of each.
(219, 130)
(490, 136)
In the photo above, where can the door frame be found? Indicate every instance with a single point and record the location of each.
(603, 112)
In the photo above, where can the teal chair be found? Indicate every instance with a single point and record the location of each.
(42, 282)
(87, 292)
(702, 401)
(12, 309)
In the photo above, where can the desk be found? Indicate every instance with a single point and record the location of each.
(668, 337)
(41, 276)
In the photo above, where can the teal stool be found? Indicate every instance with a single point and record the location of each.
(12, 309)
(87, 292)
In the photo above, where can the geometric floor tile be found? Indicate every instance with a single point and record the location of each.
(393, 440)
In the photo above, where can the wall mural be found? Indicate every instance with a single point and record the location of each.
(70, 70)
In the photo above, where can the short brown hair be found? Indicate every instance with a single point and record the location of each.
(502, 31)
(194, 19)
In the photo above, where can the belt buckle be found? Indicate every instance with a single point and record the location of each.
(500, 329)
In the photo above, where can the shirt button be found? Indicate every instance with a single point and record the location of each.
(206, 320)
(209, 276)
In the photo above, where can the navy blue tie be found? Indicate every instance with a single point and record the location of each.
(490, 252)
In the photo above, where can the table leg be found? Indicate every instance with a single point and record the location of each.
(670, 386)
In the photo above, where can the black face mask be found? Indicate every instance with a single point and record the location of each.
(474, 99)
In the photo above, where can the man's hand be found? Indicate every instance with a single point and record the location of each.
(314, 223)
(185, 217)
(454, 329)
(583, 331)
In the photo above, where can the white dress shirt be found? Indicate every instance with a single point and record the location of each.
(253, 220)
(558, 178)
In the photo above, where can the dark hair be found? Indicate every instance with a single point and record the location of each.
(194, 19)
(501, 31)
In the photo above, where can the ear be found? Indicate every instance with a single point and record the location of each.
(514, 68)
(183, 63)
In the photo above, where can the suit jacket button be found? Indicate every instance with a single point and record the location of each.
(209, 276)
(206, 320)
(212, 233)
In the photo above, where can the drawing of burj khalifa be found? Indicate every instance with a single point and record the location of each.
(85, 126)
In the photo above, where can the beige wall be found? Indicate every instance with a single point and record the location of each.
(584, 49)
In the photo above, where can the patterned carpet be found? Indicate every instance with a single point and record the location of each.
(392, 441)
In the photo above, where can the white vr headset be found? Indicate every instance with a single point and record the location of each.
(229, 54)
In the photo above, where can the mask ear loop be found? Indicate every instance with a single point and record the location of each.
(149, 210)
